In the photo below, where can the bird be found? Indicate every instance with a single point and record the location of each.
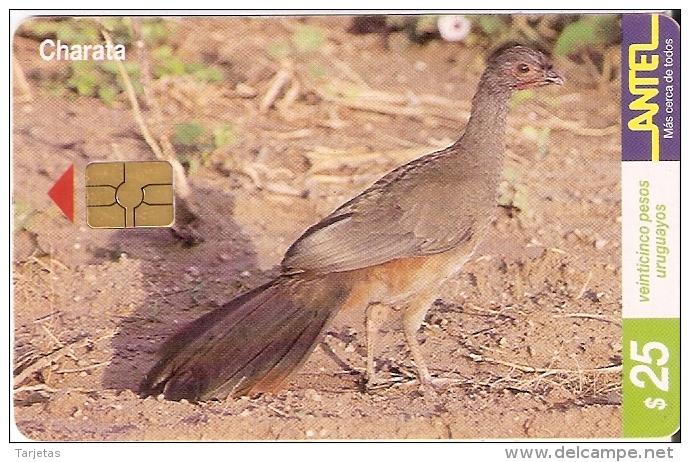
(392, 246)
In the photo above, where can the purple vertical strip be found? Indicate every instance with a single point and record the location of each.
(670, 63)
(650, 99)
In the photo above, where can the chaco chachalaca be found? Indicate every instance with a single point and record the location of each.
(392, 245)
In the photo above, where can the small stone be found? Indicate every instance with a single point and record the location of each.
(600, 243)
(311, 394)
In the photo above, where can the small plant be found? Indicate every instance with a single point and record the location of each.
(588, 31)
(189, 134)
(89, 78)
(222, 136)
(541, 136)
(86, 78)
(564, 33)
(279, 50)
(316, 71)
(520, 96)
(166, 62)
(513, 192)
(23, 214)
(205, 73)
(103, 79)
(305, 39)
(196, 144)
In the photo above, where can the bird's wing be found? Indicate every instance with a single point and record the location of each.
(400, 216)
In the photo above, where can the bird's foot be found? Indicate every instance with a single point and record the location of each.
(433, 385)
(369, 383)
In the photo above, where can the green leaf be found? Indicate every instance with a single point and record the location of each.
(520, 96)
(172, 66)
(543, 141)
(55, 88)
(207, 74)
(187, 133)
(23, 212)
(108, 93)
(222, 136)
(278, 50)
(154, 31)
(111, 67)
(136, 84)
(530, 132)
(587, 31)
(491, 24)
(194, 67)
(575, 36)
(78, 31)
(40, 26)
(316, 71)
(510, 174)
(307, 38)
(162, 52)
(167, 63)
(119, 28)
(84, 82)
(80, 66)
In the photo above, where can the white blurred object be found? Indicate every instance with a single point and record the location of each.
(454, 28)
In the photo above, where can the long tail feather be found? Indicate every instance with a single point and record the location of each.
(249, 345)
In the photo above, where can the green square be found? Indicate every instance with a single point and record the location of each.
(651, 377)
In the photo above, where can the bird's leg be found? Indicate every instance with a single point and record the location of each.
(412, 320)
(375, 314)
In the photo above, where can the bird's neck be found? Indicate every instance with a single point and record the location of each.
(486, 129)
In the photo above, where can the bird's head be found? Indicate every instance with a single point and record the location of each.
(519, 68)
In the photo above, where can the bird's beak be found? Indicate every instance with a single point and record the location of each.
(552, 77)
(549, 77)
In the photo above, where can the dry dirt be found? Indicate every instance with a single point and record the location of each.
(529, 333)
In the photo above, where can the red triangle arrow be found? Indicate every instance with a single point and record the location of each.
(62, 193)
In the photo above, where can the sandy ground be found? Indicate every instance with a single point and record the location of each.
(529, 333)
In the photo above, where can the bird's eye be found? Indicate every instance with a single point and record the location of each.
(523, 68)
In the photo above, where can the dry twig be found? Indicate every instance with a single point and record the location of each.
(599, 317)
(544, 371)
(186, 215)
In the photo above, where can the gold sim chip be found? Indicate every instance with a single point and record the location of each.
(129, 194)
